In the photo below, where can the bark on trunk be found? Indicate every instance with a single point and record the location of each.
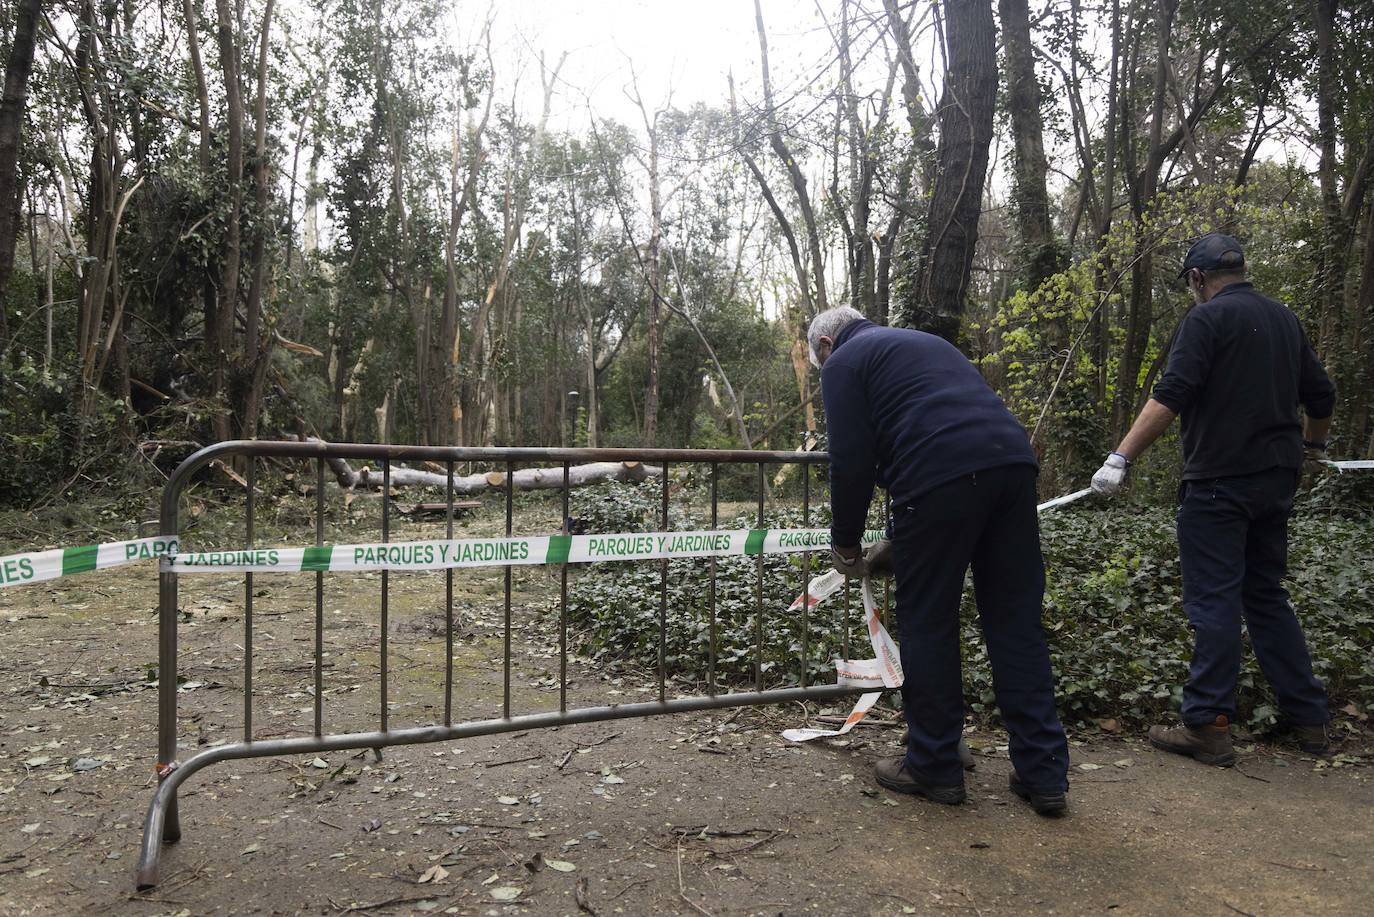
(16, 92)
(1041, 256)
(220, 338)
(967, 101)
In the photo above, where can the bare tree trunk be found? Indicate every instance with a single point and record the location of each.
(1144, 188)
(221, 337)
(257, 345)
(965, 116)
(1330, 277)
(16, 92)
(655, 278)
(1041, 254)
(789, 162)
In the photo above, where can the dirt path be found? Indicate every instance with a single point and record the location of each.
(702, 813)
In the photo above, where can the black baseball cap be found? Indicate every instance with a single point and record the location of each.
(1214, 252)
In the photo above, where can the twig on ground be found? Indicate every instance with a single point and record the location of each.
(1302, 867)
(698, 830)
(580, 897)
(1245, 773)
(389, 902)
(747, 847)
(324, 821)
(635, 884)
(682, 889)
(1234, 908)
(566, 758)
(491, 764)
(602, 741)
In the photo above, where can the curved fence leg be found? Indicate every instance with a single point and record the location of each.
(161, 826)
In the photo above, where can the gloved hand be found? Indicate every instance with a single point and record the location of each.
(851, 568)
(1111, 477)
(879, 558)
(1314, 457)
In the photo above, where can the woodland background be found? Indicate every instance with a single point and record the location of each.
(240, 218)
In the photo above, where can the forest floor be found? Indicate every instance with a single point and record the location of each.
(706, 813)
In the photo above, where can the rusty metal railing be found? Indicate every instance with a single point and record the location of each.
(163, 825)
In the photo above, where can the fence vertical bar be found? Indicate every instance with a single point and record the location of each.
(887, 580)
(663, 601)
(248, 609)
(844, 631)
(168, 527)
(758, 597)
(711, 659)
(448, 601)
(319, 600)
(806, 575)
(386, 587)
(563, 600)
(510, 517)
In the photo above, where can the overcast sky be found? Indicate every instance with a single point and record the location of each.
(686, 46)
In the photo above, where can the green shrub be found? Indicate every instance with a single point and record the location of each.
(1119, 640)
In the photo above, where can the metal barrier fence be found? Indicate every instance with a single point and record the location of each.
(162, 824)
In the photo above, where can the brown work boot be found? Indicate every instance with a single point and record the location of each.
(1313, 740)
(965, 753)
(1209, 744)
(900, 777)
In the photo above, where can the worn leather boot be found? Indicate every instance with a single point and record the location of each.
(1313, 740)
(1209, 744)
(1050, 805)
(897, 775)
(965, 753)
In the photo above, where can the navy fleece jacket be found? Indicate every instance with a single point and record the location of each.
(907, 410)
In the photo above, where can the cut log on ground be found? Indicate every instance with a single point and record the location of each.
(523, 479)
(460, 508)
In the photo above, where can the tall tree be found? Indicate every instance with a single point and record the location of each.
(1040, 252)
(965, 113)
(11, 132)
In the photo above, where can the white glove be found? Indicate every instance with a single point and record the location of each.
(1111, 477)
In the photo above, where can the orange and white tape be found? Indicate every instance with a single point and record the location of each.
(884, 670)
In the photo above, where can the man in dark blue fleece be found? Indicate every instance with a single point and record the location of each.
(905, 409)
(1239, 367)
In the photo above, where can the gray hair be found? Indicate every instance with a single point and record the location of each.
(829, 324)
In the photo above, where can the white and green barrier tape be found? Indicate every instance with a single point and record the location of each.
(37, 566)
(496, 552)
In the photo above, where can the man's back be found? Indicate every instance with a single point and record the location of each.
(914, 404)
(1239, 367)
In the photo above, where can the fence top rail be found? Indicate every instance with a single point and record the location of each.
(319, 449)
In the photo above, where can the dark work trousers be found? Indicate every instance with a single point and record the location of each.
(1233, 546)
(987, 520)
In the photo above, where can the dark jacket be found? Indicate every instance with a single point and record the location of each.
(907, 410)
(1239, 367)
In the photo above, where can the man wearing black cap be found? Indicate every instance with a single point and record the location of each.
(1239, 367)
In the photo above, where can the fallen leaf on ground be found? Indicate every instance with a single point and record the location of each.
(505, 893)
(1090, 767)
(560, 865)
(435, 873)
(508, 800)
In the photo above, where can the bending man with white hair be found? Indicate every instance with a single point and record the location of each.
(907, 410)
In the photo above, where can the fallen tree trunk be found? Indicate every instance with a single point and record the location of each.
(523, 479)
